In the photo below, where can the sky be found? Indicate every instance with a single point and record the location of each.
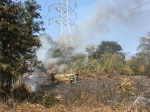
(124, 21)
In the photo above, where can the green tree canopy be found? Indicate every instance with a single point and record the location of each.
(18, 39)
(106, 46)
(143, 55)
(144, 44)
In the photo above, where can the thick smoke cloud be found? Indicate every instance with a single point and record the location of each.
(56, 65)
(58, 54)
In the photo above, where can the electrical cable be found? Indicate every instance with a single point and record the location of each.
(138, 7)
(134, 8)
(44, 8)
(84, 4)
(45, 4)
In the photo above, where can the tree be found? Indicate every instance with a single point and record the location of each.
(90, 49)
(18, 40)
(144, 44)
(144, 47)
(144, 52)
(77, 62)
(107, 46)
(136, 63)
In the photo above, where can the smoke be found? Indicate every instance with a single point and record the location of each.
(102, 16)
(95, 26)
(58, 54)
(56, 65)
(100, 20)
(33, 81)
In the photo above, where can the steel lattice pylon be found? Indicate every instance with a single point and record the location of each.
(64, 20)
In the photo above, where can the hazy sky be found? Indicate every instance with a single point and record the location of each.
(124, 21)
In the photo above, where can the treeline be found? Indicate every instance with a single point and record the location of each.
(108, 59)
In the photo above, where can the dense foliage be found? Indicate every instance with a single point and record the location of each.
(107, 59)
(105, 46)
(18, 40)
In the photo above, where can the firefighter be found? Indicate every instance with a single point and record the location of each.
(77, 78)
(71, 78)
(52, 77)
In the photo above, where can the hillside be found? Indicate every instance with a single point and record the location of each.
(93, 94)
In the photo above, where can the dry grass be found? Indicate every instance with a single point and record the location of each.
(92, 95)
(62, 77)
(65, 77)
(99, 107)
(27, 107)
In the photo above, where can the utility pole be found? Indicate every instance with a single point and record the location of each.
(63, 20)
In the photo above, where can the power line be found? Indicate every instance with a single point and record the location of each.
(84, 4)
(138, 6)
(45, 4)
(80, 6)
(134, 8)
(44, 8)
(88, 3)
(46, 16)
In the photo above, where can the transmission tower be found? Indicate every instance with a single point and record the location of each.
(63, 20)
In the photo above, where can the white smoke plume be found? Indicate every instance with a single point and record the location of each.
(55, 65)
(33, 80)
(57, 55)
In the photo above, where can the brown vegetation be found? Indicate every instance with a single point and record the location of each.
(102, 94)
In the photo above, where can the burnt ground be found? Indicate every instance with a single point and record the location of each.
(102, 89)
(90, 94)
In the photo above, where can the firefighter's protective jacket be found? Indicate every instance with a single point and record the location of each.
(71, 76)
